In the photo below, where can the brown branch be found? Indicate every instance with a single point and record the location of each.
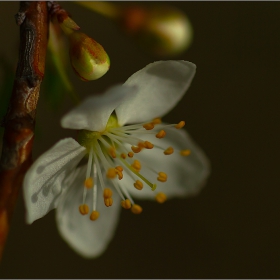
(19, 121)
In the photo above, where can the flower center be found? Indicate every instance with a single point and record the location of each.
(115, 150)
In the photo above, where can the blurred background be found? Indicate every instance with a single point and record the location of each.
(231, 229)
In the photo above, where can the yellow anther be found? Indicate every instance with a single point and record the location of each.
(136, 209)
(111, 173)
(108, 201)
(84, 209)
(162, 177)
(149, 126)
(136, 165)
(130, 154)
(156, 121)
(112, 152)
(94, 215)
(185, 153)
(180, 124)
(136, 149)
(88, 183)
(169, 151)
(138, 185)
(119, 168)
(107, 193)
(120, 174)
(161, 197)
(123, 156)
(148, 145)
(126, 204)
(161, 134)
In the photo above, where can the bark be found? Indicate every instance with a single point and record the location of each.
(19, 122)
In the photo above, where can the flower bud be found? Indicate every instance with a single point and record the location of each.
(161, 29)
(88, 58)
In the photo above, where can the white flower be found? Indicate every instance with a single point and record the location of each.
(130, 153)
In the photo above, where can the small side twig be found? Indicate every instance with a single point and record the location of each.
(19, 121)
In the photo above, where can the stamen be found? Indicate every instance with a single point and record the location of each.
(100, 177)
(136, 149)
(161, 197)
(136, 209)
(141, 145)
(126, 204)
(123, 155)
(180, 125)
(130, 154)
(149, 126)
(161, 134)
(84, 209)
(119, 173)
(148, 145)
(185, 153)
(88, 183)
(108, 201)
(136, 165)
(138, 185)
(94, 193)
(111, 173)
(94, 215)
(107, 193)
(169, 151)
(162, 177)
(156, 121)
(119, 168)
(152, 186)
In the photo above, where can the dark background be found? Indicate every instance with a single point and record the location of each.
(231, 229)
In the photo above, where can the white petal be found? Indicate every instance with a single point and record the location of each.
(94, 112)
(42, 182)
(161, 85)
(186, 175)
(86, 237)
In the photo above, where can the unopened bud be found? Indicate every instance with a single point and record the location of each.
(88, 58)
(161, 29)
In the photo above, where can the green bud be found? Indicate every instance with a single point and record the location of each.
(161, 29)
(88, 58)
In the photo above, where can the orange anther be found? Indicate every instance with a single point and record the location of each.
(136, 165)
(149, 126)
(169, 151)
(148, 145)
(141, 145)
(136, 209)
(108, 201)
(161, 134)
(130, 154)
(136, 149)
(123, 156)
(94, 215)
(88, 183)
(161, 197)
(180, 124)
(126, 204)
(107, 193)
(185, 153)
(162, 177)
(84, 209)
(156, 121)
(119, 168)
(138, 185)
(111, 173)
(120, 174)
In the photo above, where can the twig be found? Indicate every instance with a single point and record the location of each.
(19, 121)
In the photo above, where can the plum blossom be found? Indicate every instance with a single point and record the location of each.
(129, 153)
